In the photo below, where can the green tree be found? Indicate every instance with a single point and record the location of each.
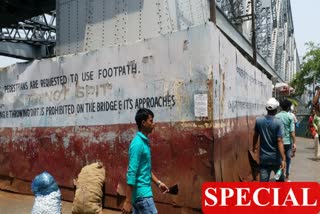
(310, 69)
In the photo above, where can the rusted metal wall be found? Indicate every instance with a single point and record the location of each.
(204, 94)
(240, 91)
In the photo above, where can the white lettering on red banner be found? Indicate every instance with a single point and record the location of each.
(255, 197)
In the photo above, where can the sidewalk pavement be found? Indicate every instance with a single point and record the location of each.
(304, 165)
(304, 168)
(11, 203)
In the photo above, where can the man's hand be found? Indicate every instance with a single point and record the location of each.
(163, 188)
(294, 147)
(127, 207)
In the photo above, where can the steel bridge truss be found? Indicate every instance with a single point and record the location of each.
(39, 31)
(274, 29)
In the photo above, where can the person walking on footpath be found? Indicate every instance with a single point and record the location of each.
(269, 129)
(293, 112)
(311, 128)
(316, 122)
(139, 196)
(289, 136)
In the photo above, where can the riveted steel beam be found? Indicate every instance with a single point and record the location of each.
(25, 51)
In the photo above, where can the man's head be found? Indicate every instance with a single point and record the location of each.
(285, 105)
(144, 120)
(272, 105)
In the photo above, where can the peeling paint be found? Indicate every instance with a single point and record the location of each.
(54, 138)
(66, 142)
(108, 137)
(127, 135)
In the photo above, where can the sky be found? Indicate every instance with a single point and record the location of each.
(306, 17)
(5, 61)
(305, 13)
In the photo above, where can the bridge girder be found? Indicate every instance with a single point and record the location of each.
(274, 31)
(28, 30)
(25, 51)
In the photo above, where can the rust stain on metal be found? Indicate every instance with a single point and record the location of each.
(222, 95)
(210, 93)
(172, 144)
(231, 149)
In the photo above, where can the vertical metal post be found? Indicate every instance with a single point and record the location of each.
(253, 39)
(274, 82)
(213, 11)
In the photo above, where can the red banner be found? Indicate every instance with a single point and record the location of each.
(260, 198)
